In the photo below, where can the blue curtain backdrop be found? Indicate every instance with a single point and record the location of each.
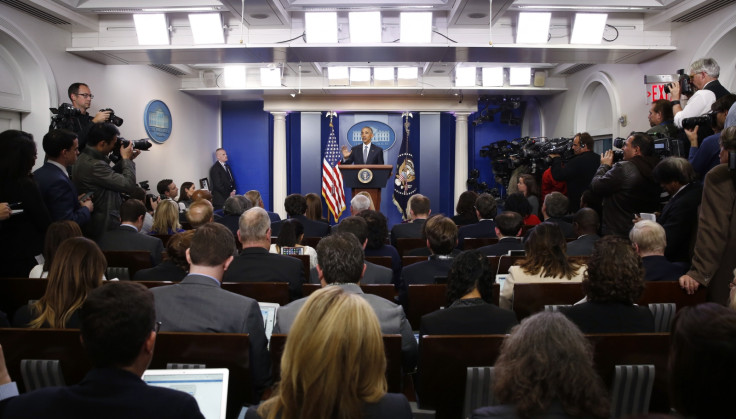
(248, 139)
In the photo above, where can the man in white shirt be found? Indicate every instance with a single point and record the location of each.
(704, 76)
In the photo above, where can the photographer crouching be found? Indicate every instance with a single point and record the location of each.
(93, 173)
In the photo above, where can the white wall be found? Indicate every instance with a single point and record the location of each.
(189, 152)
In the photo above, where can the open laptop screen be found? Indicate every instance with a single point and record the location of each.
(207, 385)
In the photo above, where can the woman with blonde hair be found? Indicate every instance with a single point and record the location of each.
(545, 369)
(546, 261)
(333, 364)
(77, 269)
(166, 218)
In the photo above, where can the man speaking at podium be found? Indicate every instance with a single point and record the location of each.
(363, 154)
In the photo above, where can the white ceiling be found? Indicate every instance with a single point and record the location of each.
(268, 32)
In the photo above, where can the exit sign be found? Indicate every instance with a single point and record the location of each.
(656, 92)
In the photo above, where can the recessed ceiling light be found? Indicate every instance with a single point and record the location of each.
(477, 15)
(259, 16)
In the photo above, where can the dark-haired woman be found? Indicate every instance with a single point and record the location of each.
(185, 194)
(518, 203)
(546, 261)
(530, 188)
(291, 236)
(466, 209)
(613, 282)
(22, 233)
(469, 290)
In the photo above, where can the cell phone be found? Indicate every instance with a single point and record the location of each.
(86, 196)
(15, 205)
(292, 250)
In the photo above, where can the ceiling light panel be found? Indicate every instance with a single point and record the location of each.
(365, 27)
(520, 76)
(383, 76)
(151, 29)
(588, 28)
(416, 27)
(207, 28)
(408, 76)
(533, 28)
(321, 27)
(465, 76)
(493, 76)
(338, 76)
(235, 76)
(271, 77)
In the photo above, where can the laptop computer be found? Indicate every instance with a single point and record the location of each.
(207, 385)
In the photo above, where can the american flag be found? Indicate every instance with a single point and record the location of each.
(332, 189)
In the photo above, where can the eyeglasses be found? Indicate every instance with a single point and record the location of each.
(157, 327)
(86, 95)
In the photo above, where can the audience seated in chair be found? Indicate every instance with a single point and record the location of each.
(341, 263)
(516, 202)
(57, 232)
(586, 225)
(296, 208)
(255, 263)
(333, 363)
(291, 236)
(418, 209)
(376, 246)
(78, 268)
(199, 304)
(166, 218)
(441, 235)
(649, 241)
(465, 209)
(233, 208)
(200, 212)
(613, 281)
(118, 331)
(126, 236)
(469, 290)
(508, 230)
(374, 274)
(554, 209)
(545, 369)
(702, 362)
(485, 209)
(255, 197)
(175, 267)
(546, 261)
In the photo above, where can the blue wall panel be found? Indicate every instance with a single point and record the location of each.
(247, 137)
(482, 135)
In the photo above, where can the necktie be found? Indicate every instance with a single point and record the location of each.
(229, 173)
(365, 154)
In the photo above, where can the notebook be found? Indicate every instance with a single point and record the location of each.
(207, 385)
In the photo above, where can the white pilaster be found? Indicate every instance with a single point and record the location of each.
(461, 153)
(279, 163)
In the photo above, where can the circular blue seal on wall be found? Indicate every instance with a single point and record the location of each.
(383, 135)
(157, 121)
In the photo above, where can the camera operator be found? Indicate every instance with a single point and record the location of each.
(81, 98)
(627, 187)
(706, 156)
(93, 173)
(578, 171)
(704, 76)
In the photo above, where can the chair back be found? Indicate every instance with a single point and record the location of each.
(632, 390)
(478, 389)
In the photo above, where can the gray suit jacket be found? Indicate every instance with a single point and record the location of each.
(374, 274)
(198, 304)
(127, 238)
(390, 315)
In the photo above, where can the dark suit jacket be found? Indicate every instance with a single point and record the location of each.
(679, 220)
(468, 317)
(221, 185)
(567, 229)
(311, 228)
(127, 238)
(104, 392)
(502, 247)
(373, 275)
(426, 251)
(255, 264)
(60, 194)
(610, 318)
(582, 246)
(164, 271)
(422, 273)
(375, 155)
(198, 304)
(658, 268)
(407, 230)
(481, 229)
(231, 222)
(577, 172)
(273, 216)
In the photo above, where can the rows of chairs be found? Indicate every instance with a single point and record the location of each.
(453, 376)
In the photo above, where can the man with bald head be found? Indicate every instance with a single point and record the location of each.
(255, 263)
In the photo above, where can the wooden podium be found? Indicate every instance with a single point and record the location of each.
(366, 177)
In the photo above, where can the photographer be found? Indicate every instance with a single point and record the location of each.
(661, 119)
(93, 173)
(81, 98)
(705, 157)
(704, 76)
(578, 171)
(627, 187)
